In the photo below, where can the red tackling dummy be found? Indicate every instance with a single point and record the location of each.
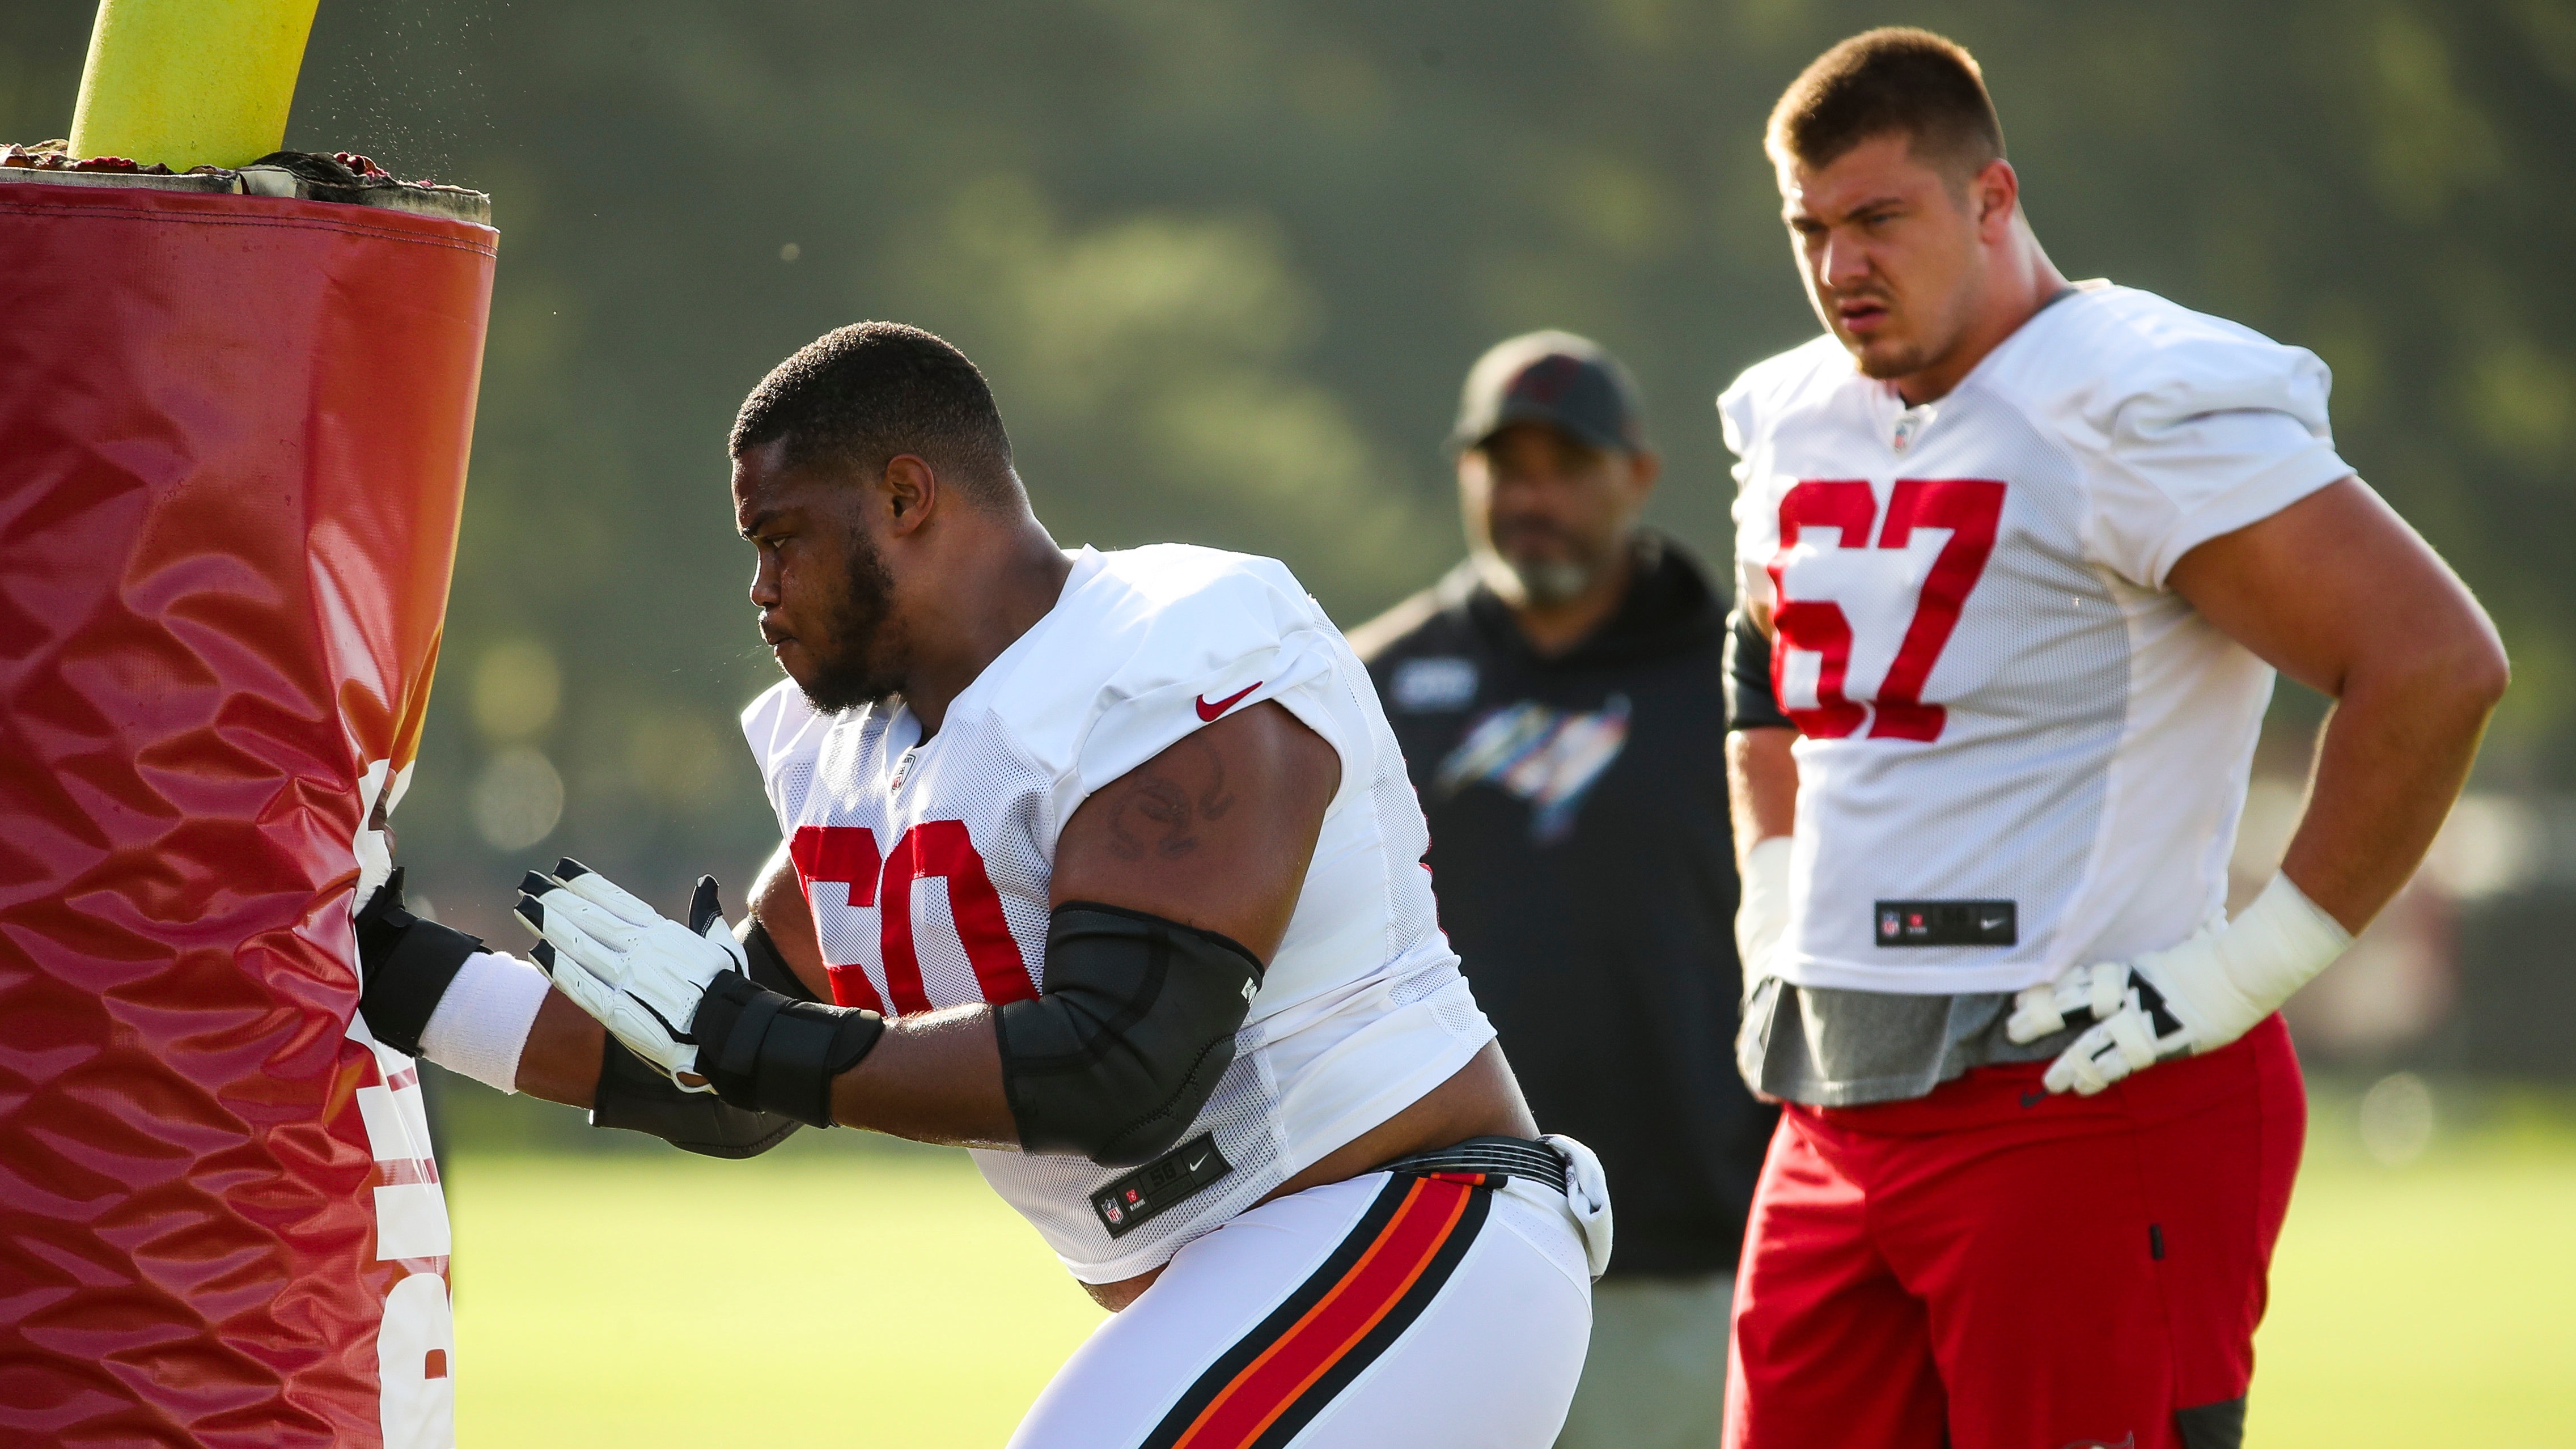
(233, 433)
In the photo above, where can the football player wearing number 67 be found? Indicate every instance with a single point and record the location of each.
(1105, 866)
(2025, 556)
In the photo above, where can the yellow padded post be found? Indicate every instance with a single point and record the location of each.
(190, 82)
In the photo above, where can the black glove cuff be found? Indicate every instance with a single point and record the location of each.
(406, 965)
(637, 1098)
(765, 1052)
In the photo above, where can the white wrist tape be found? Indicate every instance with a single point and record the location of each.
(2195, 997)
(482, 1023)
(1762, 907)
(2252, 964)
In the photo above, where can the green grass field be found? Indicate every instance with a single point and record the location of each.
(825, 1295)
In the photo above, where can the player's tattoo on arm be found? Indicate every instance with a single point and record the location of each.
(1215, 832)
(1152, 813)
(1216, 799)
(1157, 812)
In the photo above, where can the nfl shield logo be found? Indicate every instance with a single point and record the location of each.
(1111, 1212)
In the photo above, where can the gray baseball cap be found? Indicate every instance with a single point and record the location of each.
(1566, 382)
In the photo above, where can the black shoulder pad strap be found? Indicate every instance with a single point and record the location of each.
(1137, 1023)
(405, 965)
(637, 1098)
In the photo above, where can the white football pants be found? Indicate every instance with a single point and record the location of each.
(1404, 1312)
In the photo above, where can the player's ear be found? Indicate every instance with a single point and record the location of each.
(1996, 192)
(911, 489)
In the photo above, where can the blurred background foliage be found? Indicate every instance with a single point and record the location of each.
(1227, 263)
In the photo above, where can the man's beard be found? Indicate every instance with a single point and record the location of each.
(1884, 366)
(1541, 581)
(862, 668)
(1544, 582)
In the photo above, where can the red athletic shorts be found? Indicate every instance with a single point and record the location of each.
(2016, 1270)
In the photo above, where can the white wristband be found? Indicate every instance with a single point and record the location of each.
(2194, 997)
(482, 1023)
(1762, 906)
(2277, 945)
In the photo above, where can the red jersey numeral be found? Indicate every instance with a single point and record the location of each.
(843, 855)
(942, 848)
(1818, 625)
(1970, 508)
(846, 854)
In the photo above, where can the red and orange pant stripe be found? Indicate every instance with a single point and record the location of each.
(1276, 1379)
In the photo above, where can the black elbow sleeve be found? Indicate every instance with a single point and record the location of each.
(768, 968)
(1136, 1024)
(1750, 703)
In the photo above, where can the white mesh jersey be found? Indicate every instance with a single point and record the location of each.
(926, 865)
(2019, 750)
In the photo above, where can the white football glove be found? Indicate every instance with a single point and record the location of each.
(636, 971)
(1762, 909)
(2195, 997)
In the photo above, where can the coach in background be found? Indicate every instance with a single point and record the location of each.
(1559, 703)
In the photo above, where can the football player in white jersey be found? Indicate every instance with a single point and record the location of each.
(1106, 867)
(2025, 556)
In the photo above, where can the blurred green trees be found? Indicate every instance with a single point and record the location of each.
(1225, 264)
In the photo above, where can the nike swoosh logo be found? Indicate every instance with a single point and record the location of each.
(1193, 1167)
(1208, 712)
(1994, 925)
(2032, 1099)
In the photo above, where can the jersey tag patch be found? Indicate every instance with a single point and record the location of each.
(1159, 1185)
(1946, 923)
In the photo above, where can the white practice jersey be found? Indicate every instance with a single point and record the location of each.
(926, 865)
(2019, 750)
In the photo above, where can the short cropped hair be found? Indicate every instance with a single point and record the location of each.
(1895, 81)
(866, 393)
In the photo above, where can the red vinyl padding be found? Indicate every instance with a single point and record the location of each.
(233, 436)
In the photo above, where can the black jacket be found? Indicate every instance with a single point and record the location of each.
(1580, 850)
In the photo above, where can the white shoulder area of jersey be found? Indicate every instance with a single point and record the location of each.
(1162, 617)
(779, 723)
(1754, 402)
(1159, 575)
(2114, 361)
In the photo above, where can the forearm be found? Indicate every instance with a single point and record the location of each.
(1761, 786)
(2392, 758)
(560, 1061)
(933, 1077)
(1762, 801)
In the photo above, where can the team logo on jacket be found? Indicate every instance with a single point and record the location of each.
(1425, 686)
(1548, 757)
